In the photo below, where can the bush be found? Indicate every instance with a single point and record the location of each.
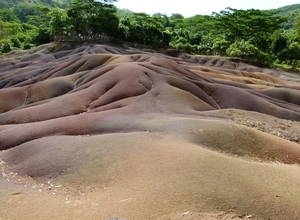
(290, 53)
(245, 50)
(5, 47)
(28, 46)
(15, 42)
(43, 37)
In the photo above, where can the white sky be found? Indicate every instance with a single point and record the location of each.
(190, 8)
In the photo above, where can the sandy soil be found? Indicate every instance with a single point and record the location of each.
(104, 132)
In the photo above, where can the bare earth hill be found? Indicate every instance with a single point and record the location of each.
(102, 132)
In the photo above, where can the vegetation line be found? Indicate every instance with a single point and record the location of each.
(268, 37)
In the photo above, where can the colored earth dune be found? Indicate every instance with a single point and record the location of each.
(97, 131)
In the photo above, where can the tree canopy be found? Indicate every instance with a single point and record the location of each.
(257, 35)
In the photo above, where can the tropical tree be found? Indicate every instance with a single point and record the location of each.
(246, 50)
(175, 20)
(22, 10)
(220, 45)
(145, 29)
(8, 15)
(41, 19)
(59, 22)
(252, 25)
(90, 17)
(297, 26)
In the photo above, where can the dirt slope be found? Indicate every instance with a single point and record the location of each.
(103, 132)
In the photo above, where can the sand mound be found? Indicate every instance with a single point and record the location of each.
(98, 132)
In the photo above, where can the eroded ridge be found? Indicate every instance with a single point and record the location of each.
(111, 128)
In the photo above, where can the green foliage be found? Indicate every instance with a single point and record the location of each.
(9, 29)
(144, 29)
(23, 10)
(15, 42)
(175, 20)
(246, 50)
(251, 24)
(48, 3)
(59, 22)
(186, 47)
(242, 49)
(14, 34)
(290, 54)
(220, 46)
(8, 15)
(89, 17)
(254, 35)
(290, 12)
(40, 18)
(122, 13)
(297, 26)
(5, 47)
(279, 41)
(198, 24)
(42, 37)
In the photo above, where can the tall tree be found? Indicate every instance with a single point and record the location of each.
(23, 10)
(8, 15)
(146, 29)
(254, 25)
(59, 24)
(175, 19)
(297, 26)
(90, 17)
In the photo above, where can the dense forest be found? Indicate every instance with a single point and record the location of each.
(269, 37)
